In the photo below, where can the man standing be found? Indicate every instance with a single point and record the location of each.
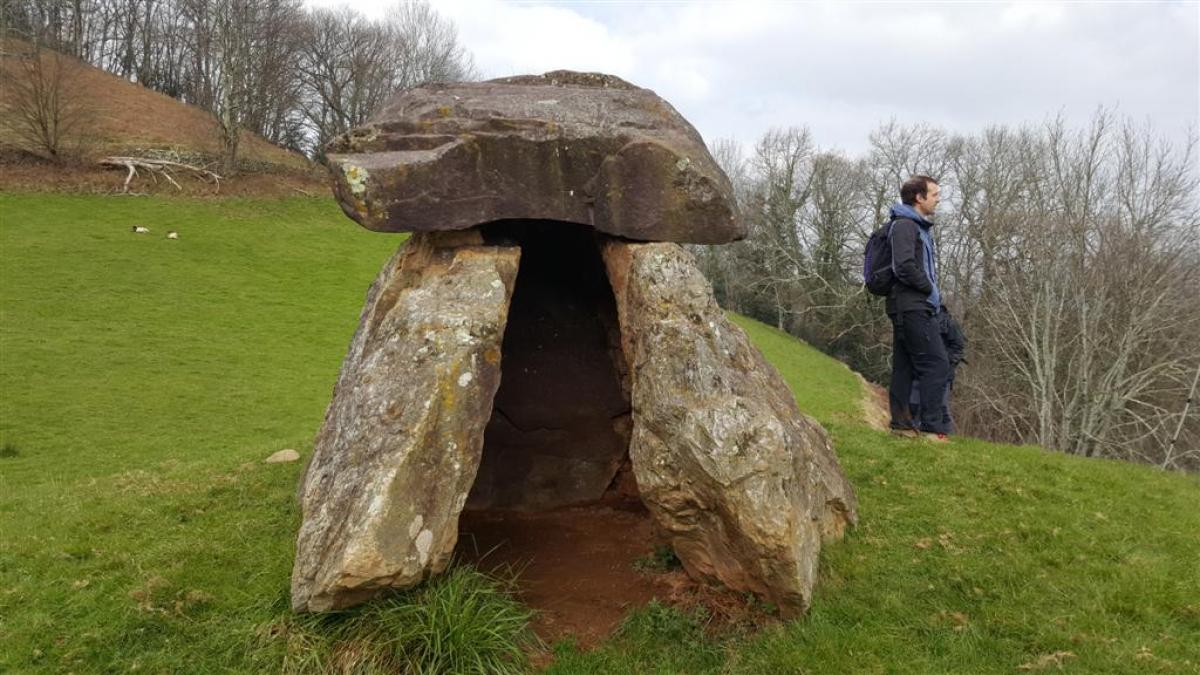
(912, 305)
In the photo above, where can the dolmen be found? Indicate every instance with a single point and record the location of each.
(543, 332)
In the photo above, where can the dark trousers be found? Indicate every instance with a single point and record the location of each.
(914, 401)
(918, 353)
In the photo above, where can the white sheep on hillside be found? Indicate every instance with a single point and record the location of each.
(140, 229)
(172, 235)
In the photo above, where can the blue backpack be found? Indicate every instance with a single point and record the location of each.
(878, 275)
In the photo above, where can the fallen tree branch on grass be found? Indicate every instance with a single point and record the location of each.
(159, 167)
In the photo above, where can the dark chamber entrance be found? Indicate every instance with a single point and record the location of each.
(554, 496)
(560, 422)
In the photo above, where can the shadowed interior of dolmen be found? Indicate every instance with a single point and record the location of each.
(554, 496)
(560, 421)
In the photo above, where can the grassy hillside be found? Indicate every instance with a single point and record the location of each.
(142, 380)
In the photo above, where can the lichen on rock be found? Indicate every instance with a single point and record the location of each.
(400, 445)
(454, 155)
(745, 485)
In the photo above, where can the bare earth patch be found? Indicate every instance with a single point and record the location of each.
(874, 405)
(576, 567)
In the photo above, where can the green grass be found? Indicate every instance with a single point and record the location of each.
(460, 622)
(143, 380)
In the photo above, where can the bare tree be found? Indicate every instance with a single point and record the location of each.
(897, 152)
(344, 69)
(782, 164)
(241, 53)
(273, 85)
(352, 65)
(45, 108)
(426, 46)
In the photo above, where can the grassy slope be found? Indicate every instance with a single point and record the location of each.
(143, 379)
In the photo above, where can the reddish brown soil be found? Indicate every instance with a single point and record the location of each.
(575, 567)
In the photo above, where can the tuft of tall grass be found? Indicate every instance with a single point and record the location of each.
(460, 622)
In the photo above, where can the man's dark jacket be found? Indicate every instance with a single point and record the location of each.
(912, 288)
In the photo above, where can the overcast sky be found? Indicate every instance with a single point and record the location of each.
(735, 69)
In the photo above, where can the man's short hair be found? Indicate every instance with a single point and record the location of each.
(915, 187)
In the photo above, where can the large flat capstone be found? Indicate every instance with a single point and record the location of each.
(746, 486)
(573, 147)
(398, 452)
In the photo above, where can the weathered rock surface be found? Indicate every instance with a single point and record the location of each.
(401, 442)
(576, 147)
(745, 485)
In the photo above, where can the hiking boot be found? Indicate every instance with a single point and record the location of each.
(935, 438)
(905, 432)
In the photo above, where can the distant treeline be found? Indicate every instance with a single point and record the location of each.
(1071, 256)
(295, 76)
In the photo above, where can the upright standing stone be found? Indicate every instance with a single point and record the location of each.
(401, 443)
(745, 485)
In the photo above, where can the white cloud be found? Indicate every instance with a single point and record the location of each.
(735, 69)
(1023, 15)
(510, 39)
